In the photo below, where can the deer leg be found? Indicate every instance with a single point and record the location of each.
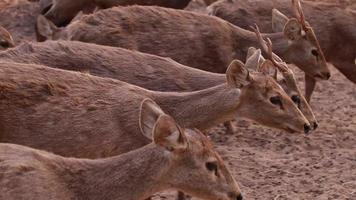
(230, 128)
(310, 83)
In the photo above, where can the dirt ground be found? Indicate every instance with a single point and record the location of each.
(275, 165)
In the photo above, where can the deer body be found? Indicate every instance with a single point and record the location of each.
(333, 23)
(39, 175)
(61, 12)
(144, 70)
(57, 110)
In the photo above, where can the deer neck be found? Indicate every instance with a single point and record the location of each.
(130, 176)
(280, 44)
(201, 109)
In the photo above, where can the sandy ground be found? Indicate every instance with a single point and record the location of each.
(275, 165)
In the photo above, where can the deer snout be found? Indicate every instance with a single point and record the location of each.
(235, 196)
(315, 125)
(307, 128)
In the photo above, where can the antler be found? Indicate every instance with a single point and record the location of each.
(267, 48)
(297, 7)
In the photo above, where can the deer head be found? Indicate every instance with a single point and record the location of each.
(287, 80)
(46, 29)
(303, 48)
(194, 167)
(6, 40)
(289, 84)
(262, 99)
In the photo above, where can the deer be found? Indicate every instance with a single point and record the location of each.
(334, 24)
(141, 69)
(71, 108)
(175, 158)
(211, 44)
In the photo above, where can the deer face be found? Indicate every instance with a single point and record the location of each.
(6, 40)
(204, 173)
(290, 86)
(263, 100)
(303, 48)
(194, 168)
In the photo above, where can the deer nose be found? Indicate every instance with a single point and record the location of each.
(235, 196)
(315, 125)
(239, 197)
(327, 75)
(307, 128)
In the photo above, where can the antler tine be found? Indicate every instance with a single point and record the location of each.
(260, 38)
(267, 47)
(300, 14)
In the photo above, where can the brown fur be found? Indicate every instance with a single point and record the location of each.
(61, 12)
(333, 23)
(144, 70)
(75, 114)
(19, 20)
(166, 163)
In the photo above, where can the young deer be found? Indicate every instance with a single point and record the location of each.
(334, 24)
(204, 42)
(76, 114)
(176, 158)
(144, 70)
(6, 40)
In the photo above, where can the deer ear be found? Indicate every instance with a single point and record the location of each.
(149, 114)
(293, 30)
(279, 20)
(168, 134)
(6, 38)
(78, 16)
(253, 60)
(268, 68)
(46, 28)
(237, 75)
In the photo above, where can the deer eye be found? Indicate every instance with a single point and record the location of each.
(276, 100)
(4, 44)
(211, 166)
(296, 99)
(314, 52)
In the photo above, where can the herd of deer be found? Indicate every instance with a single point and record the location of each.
(114, 101)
